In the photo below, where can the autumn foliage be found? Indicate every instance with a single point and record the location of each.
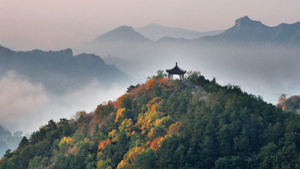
(149, 84)
(155, 143)
(119, 114)
(130, 158)
(103, 143)
(119, 101)
(66, 140)
(191, 123)
(174, 128)
(163, 80)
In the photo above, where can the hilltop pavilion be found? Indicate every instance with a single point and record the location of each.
(176, 71)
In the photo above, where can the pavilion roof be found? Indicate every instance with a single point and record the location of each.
(176, 70)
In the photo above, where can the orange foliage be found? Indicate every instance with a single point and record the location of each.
(103, 143)
(120, 100)
(174, 128)
(129, 159)
(163, 80)
(122, 164)
(132, 154)
(149, 84)
(155, 143)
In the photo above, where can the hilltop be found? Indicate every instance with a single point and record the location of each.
(193, 123)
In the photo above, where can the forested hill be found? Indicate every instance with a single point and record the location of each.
(193, 123)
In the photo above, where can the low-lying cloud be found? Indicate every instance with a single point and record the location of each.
(25, 105)
(18, 99)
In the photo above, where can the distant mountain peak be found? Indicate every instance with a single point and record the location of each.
(247, 30)
(124, 28)
(246, 21)
(244, 18)
(123, 33)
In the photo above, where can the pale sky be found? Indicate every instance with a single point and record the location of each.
(58, 24)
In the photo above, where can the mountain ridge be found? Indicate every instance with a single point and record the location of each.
(59, 70)
(247, 30)
(157, 31)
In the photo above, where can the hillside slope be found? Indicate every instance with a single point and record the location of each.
(194, 123)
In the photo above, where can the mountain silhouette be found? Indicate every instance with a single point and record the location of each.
(247, 30)
(122, 34)
(157, 31)
(59, 70)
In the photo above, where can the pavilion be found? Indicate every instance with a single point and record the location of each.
(176, 71)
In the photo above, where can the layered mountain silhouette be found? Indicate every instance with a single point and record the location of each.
(124, 38)
(132, 46)
(156, 32)
(123, 34)
(59, 70)
(246, 30)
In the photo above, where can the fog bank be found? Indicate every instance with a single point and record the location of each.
(26, 105)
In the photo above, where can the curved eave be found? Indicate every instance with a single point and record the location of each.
(172, 71)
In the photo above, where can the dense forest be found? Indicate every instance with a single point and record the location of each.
(190, 123)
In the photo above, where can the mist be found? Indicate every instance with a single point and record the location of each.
(25, 106)
(260, 69)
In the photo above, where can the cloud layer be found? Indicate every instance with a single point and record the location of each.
(26, 106)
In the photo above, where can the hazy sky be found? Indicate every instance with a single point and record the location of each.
(57, 24)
